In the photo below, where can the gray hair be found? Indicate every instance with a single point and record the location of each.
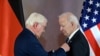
(71, 17)
(35, 17)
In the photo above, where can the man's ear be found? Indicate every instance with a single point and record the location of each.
(73, 24)
(35, 25)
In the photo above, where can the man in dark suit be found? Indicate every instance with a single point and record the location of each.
(69, 25)
(27, 43)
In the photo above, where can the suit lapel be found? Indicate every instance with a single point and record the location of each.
(75, 36)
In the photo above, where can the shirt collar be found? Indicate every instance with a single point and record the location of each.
(73, 34)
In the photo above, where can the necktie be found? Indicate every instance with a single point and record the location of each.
(67, 40)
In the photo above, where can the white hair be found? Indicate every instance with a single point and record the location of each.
(71, 17)
(74, 19)
(35, 17)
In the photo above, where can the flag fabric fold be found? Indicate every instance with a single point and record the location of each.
(90, 24)
(11, 24)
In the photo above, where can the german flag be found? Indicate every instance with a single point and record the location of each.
(11, 24)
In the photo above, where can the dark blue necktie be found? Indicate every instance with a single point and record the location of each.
(67, 40)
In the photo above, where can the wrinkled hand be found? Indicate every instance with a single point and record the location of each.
(66, 47)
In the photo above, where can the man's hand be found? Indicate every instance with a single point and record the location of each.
(66, 47)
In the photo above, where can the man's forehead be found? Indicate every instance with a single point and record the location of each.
(63, 19)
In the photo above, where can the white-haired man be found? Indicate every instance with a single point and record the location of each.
(27, 43)
(69, 26)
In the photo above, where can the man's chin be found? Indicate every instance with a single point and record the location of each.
(38, 36)
(65, 35)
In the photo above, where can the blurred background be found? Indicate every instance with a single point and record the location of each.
(51, 9)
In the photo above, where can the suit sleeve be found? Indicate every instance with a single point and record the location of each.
(59, 52)
(35, 49)
(39, 51)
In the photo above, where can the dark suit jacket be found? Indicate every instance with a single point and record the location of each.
(27, 44)
(78, 45)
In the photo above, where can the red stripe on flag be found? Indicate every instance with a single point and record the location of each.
(99, 29)
(10, 28)
(0, 26)
(92, 42)
(98, 26)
